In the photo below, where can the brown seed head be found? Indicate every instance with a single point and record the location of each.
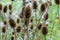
(0, 7)
(57, 2)
(39, 26)
(12, 0)
(5, 22)
(43, 7)
(4, 29)
(13, 33)
(18, 29)
(18, 20)
(46, 16)
(10, 7)
(31, 19)
(27, 12)
(10, 13)
(31, 27)
(34, 5)
(5, 9)
(12, 23)
(12, 38)
(44, 30)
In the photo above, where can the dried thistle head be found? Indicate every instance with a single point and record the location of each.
(34, 5)
(46, 16)
(0, 7)
(5, 9)
(57, 2)
(39, 25)
(31, 19)
(4, 29)
(18, 20)
(10, 7)
(18, 29)
(5, 22)
(10, 13)
(12, 0)
(12, 23)
(12, 37)
(13, 33)
(44, 30)
(31, 27)
(43, 7)
(27, 12)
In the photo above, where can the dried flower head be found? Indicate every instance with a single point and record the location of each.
(10, 7)
(31, 19)
(43, 7)
(12, 37)
(46, 16)
(44, 30)
(12, 0)
(27, 12)
(34, 5)
(5, 22)
(3, 29)
(39, 25)
(31, 27)
(57, 2)
(12, 23)
(5, 9)
(10, 13)
(0, 7)
(18, 29)
(18, 20)
(13, 33)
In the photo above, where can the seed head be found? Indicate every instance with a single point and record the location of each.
(4, 29)
(12, 0)
(31, 27)
(5, 22)
(10, 13)
(13, 33)
(31, 19)
(57, 2)
(12, 38)
(34, 5)
(43, 7)
(46, 16)
(18, 29)
(5, 9)
(44, 30)
(12, 23)
(39, 26)
(18, 20)
(0, 7)
(10, 7)
(27, 12)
